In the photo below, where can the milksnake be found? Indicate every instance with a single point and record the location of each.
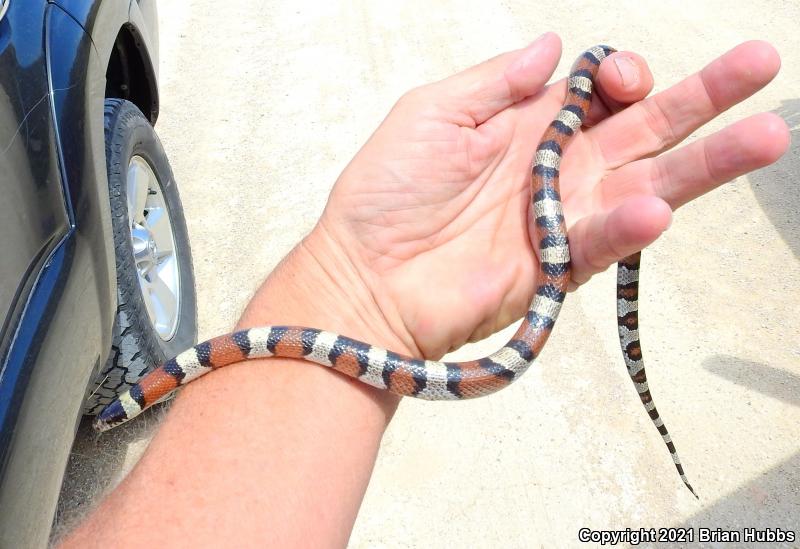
(428, 379)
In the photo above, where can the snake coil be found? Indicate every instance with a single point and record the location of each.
(427, 379)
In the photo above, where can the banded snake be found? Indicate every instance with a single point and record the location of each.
(427, 379)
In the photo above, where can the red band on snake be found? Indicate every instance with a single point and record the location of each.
(427, 379)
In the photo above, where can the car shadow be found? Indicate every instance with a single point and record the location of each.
(777, 187)
(98, 462)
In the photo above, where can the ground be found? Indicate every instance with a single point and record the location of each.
(263, 104)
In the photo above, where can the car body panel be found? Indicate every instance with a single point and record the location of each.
(69, 312)
(103, 20)
(33, 211)
(64, 297)
(30, 178)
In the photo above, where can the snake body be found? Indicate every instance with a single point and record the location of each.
(427, 379)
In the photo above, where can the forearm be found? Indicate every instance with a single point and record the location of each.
(272, 452)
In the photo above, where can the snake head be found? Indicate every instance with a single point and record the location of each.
(112, 415)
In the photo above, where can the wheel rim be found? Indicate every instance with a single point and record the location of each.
(153, 247)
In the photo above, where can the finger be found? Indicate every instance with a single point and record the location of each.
(482, 91)
(623, 78)
(663, 120)
(695, 169)
(686, 173)
(600, 240)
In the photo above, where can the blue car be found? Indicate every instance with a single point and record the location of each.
(96, 282)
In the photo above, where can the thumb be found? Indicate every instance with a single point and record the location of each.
(494, 85)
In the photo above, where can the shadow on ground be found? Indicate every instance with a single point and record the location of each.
(771, 499)
(777, 187)
(773, 382)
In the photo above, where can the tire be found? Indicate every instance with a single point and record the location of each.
(141, 338)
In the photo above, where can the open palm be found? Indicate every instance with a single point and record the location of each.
(433, 212)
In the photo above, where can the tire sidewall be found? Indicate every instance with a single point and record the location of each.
(138, 138)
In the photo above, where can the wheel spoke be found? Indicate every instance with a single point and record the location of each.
(159, 226)
(167, 272)
(164, 304)
(147, 293)
(137, 192)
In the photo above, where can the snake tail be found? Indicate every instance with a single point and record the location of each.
(428, 379)
(628, 327)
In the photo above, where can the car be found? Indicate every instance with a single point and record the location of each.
(96, 280)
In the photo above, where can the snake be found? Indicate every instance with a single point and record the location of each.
(429, 379)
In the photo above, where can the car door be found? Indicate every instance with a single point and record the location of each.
(32, 210)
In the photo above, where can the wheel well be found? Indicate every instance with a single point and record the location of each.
(130, 73)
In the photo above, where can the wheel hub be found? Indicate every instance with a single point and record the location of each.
(145, 249)
(154, 251)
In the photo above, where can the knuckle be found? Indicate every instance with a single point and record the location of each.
(658, 122)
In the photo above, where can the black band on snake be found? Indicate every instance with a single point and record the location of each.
(427, 379)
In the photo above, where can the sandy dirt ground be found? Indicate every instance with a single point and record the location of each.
(263, 104)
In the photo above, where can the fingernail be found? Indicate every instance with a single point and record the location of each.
(628, 71)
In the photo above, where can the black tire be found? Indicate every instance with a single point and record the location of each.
(137, 347)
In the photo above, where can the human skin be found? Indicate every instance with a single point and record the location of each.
(277, 452)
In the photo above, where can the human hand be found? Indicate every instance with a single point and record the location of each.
(433, 212)
(425, 244)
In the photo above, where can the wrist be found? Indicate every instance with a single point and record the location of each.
(274, 422)
(317, 285)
